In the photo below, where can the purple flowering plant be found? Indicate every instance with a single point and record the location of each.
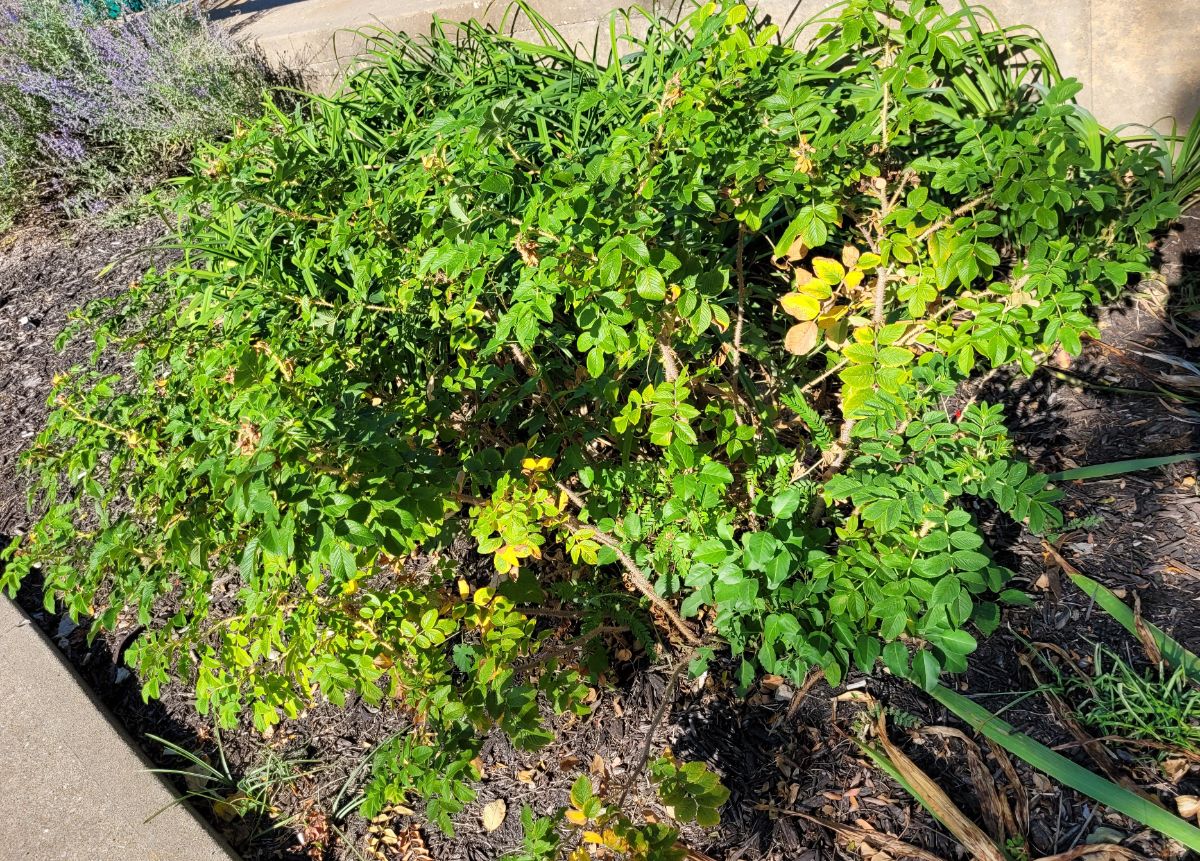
(93, 109)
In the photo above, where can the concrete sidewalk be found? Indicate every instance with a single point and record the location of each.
(72, 786)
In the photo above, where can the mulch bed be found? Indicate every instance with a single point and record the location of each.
(783, 753)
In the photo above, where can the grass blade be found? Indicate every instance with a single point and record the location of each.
(1173, 653)
(1065, 771)
(1120, 467)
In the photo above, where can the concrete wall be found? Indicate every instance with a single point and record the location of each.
(1137, 59)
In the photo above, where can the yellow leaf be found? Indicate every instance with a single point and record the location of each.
(482, 597)
(493, 814)
(801, 338)
(853, 278)
(869, 261)
(463, 588)
(831, 315)
(828, 270)
(507, 559)
(819, 290)
(537, 464)
(227, 808)
(350, 587)
(593, 837)
(800, 305)
(850, 256)
(576, 817)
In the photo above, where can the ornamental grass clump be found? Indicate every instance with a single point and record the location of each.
(92, 109)
(673, 339)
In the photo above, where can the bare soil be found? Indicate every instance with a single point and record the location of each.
(786, 755)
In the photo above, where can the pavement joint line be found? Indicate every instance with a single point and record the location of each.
(62, 752)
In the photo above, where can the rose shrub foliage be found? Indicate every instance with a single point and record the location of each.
(670, 337)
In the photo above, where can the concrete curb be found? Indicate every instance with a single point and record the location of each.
(73, 787)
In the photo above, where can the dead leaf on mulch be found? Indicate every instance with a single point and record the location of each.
(876, 840)
(410, 846)
(1097, 852)
(1176, 768)
(1188, 806)
(493, 814)
(976, 841)
(999, 817)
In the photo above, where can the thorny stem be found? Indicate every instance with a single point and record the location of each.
(887, 93)
(636, 577)
(131, 438)
(290, 213)
(669, 362)
(659, 714)
(881, 277)
(740, 269)
(962, 210)
(568, 647)
(321, 303)
(635, 574)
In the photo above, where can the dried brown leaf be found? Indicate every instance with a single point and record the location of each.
(1097, 852)
(1188, 806)
(1019, 804)
(493, 814)
(1149, 644)
(894, 846)
(801, 338)
(973, 838)
(411, 846)
(997, 817)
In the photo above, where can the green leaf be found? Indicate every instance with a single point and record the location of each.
(895, 657)
(1064, 770)
(634, 249)
(925, 670)
(651, 286)
(1120, 467)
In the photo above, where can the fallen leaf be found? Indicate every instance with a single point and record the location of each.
(493, 814)
(1188, 806)
(771, 682)
(1176, 768)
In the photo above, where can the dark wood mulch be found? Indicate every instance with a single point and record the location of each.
(780, 752)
